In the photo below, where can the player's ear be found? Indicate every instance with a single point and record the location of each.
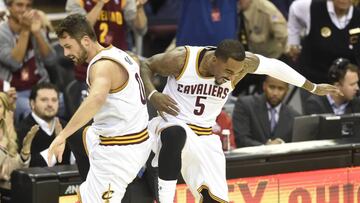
(32, 104)
(85, 41)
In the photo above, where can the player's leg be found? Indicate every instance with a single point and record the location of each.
(173, 140)
(204, 168)
(112, 168)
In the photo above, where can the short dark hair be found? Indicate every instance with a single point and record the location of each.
(230, 48)
(76, 26)
(40, 86)
(339, 68)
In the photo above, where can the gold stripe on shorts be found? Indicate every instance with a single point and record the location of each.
(200, 131)
(134, 138)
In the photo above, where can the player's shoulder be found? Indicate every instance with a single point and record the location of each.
(251, 62)
(106, 61)
(177, 55)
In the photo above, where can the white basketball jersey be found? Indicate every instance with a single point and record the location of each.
(200, 100)
(124, 111)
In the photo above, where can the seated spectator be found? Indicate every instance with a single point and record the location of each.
(44, 102)
(24, 51)
(10, 159)
(345, 76)
(264, 119)
(224, 122)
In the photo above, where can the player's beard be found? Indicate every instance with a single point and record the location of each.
(82, 56)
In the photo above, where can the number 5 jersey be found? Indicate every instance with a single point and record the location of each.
(200, 99)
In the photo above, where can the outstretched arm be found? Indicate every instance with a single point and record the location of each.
(164, 64)
(262, 65)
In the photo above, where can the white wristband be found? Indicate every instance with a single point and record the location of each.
(151, 94)
(313, 90)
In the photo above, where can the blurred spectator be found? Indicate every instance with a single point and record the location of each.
(11, 94)
(263, 31)
(264, 119)
(345, 76)
(331, 31)
(24, 51)
(10, 159)
(206, 22)
(44, 101)
(3, 10)
(224, 122)
(111, 18)
(283, 6)
(265, 27)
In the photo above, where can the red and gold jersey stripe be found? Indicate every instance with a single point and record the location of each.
(200, 131)
(134, 138)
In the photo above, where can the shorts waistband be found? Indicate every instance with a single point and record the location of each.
(200, 131)
(134, 138)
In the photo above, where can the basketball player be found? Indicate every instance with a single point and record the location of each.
(199, 81)
(117, 142)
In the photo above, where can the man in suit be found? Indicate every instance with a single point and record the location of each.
(44, 103)
(264, 119)
(344, 75)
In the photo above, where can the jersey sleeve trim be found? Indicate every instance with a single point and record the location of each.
(185, 64)
(84, 140)
(118, 89)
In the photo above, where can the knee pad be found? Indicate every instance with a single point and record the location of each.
(173, 137)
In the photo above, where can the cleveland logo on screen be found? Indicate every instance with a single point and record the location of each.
(107, 195)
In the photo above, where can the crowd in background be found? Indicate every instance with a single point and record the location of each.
(41, 89)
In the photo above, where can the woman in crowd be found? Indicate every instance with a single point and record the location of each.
(10, 158)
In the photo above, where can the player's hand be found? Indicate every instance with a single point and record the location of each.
(324, 89)
(275, 141)
(164, 103)
(57, 148)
